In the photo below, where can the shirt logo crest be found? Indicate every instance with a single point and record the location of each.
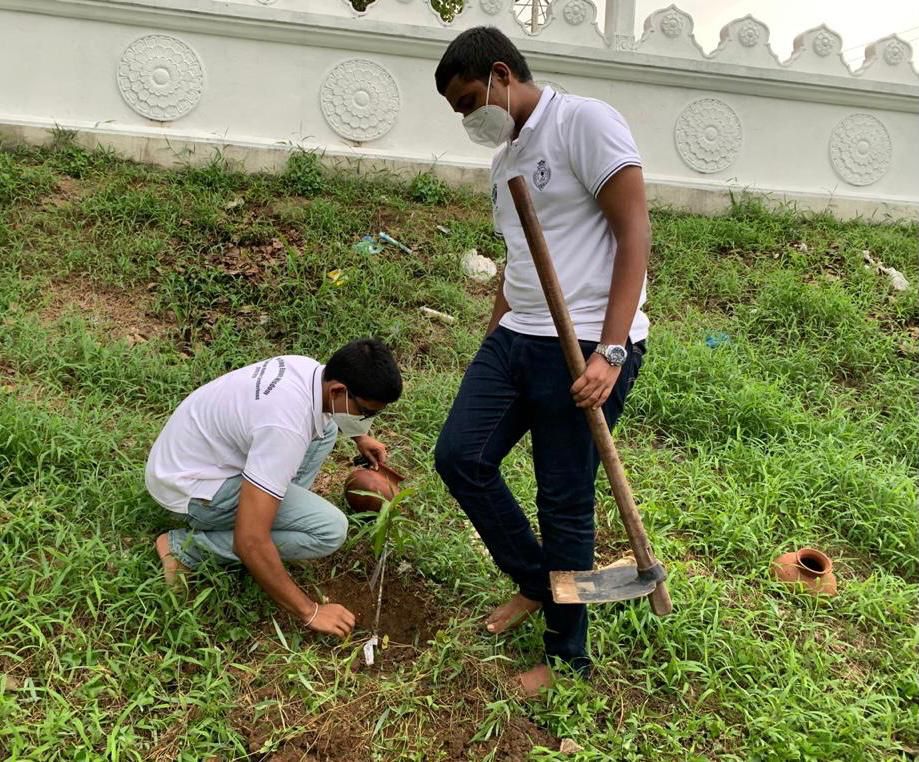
(542, 175)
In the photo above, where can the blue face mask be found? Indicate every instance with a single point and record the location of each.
(348, 424)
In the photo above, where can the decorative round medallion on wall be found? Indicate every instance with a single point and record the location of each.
(359, 100)
(823, 44)
(160, 77)
(575, 12)
(748, 34)
(860, 149)
(708, 135)
(895, 53)
(672, 25)
(492, 7)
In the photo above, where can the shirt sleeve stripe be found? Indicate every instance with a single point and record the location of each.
(598, 186)
(262, 487)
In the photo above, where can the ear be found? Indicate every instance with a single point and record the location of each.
(501, 72)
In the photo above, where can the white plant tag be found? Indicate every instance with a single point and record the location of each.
(368, 650)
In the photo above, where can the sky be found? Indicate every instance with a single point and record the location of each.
(859, 22)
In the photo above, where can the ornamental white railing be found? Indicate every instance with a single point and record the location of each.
(167, 80)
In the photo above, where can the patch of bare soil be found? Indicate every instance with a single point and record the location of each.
(334, 738)
(117, 314)
(277, 727)
(341, 735)
(408, 615)
(339, 740)
(253, 262)
(519, 738)
(66, 192)
(513, 744)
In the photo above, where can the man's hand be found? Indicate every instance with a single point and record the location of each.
(595, 384)
(372, 449)
(255, 548)
(333, 619)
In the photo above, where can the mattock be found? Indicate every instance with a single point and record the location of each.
(627, 578)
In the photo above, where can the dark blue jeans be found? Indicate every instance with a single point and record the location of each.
(519, 383)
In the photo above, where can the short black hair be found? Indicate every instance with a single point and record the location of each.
(472, 54)
(368, 368)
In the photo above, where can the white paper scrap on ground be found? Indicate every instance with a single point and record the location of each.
(443, 317)
(477, 267)
(368, 650)
(897, 279)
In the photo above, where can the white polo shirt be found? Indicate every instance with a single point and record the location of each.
(256, 421)
(567, 150)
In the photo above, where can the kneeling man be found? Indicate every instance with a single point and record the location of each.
(238, 458)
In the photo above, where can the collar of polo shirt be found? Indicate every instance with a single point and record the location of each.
(535, 118)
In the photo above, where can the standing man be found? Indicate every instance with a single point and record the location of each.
(238, 458)
(584, 174)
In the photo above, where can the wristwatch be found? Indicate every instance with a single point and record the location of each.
(614, 354)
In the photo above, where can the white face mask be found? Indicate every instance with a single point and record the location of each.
(348, 424)
(490, 125)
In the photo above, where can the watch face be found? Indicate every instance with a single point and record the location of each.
(616, 355)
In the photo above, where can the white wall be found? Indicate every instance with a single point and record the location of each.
(167, 80)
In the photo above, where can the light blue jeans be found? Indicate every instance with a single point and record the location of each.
(307, 526)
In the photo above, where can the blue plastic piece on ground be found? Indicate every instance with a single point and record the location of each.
(386, 238)
(716, 339)
(367, 245)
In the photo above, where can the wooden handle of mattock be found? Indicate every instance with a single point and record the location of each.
(638, 538)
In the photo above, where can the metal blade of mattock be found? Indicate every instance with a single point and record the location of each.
(647, 565)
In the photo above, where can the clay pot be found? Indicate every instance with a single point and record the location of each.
(807, 567)
(384, 482)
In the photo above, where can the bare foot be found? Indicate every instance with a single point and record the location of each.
(534, 681)
(511, 614)
(172, 566)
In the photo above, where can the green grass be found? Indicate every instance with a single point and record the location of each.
(802, 429)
